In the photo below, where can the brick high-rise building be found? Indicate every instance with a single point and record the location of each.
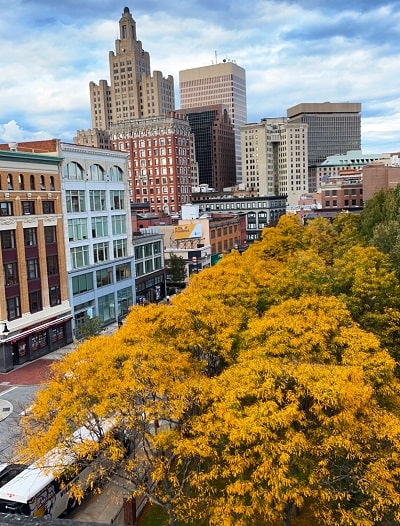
(160, 160)
(133, 92)
(223, 83)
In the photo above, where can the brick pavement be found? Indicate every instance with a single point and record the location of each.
(31, 373)
(37, 372)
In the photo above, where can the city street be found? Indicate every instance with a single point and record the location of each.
(17, 390)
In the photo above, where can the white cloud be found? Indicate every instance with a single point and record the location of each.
(12, 132)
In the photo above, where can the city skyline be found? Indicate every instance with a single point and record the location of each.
(292, 53)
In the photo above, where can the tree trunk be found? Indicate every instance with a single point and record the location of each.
(287, 519)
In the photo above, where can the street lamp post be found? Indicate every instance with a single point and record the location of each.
(5, 361)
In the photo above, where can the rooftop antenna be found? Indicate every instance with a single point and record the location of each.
(216, 57)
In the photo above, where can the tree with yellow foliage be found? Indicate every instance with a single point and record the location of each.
(257, 392)
(146, 389)
(302, 421)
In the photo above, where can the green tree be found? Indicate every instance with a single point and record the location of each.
(383, 207)
(89, 327)
(380, 223)
(176, 269)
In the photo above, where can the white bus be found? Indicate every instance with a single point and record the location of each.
(43, 489)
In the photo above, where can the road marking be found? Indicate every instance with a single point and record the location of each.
(9, 390)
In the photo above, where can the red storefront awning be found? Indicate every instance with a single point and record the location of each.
(39, 328)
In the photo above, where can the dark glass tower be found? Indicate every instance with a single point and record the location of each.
(215, 145)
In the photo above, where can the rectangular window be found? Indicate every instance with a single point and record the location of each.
(54, 295)
(101, 252)
(97, 200)
(118, 225)
(11, 274)
(7, 239)
(32, 268)
(30, 237)
(13, 308)
(82, 283)
(52, 265)
(77, 229)
(48, 207)
(149, 266)
(6, 209)
(104, 277)
(157, 263)
(28, 208)
(75, 201)
(120, 248)
(79, 257)
(99, 226)
(139, 253)
(117, 199)
(50, 235)
(35, 301)
(107, 307)
(139, 269)
(123, 271)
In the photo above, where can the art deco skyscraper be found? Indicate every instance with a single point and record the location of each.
(133, 92)
(223, 83)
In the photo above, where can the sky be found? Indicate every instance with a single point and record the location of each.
(292, 51)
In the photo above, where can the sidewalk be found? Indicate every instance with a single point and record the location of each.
(36, 371)
(59, 353)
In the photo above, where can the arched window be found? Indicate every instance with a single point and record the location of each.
(73, 170)
(52, 183)
(21, 182)
(9, 182)
(116, 174)
(32, 182)
(97, 173)
(42, 185)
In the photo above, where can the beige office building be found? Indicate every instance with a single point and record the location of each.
(223, 83)
(334, 127)
(274, 158)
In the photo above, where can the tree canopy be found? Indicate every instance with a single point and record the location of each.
(267, 388)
